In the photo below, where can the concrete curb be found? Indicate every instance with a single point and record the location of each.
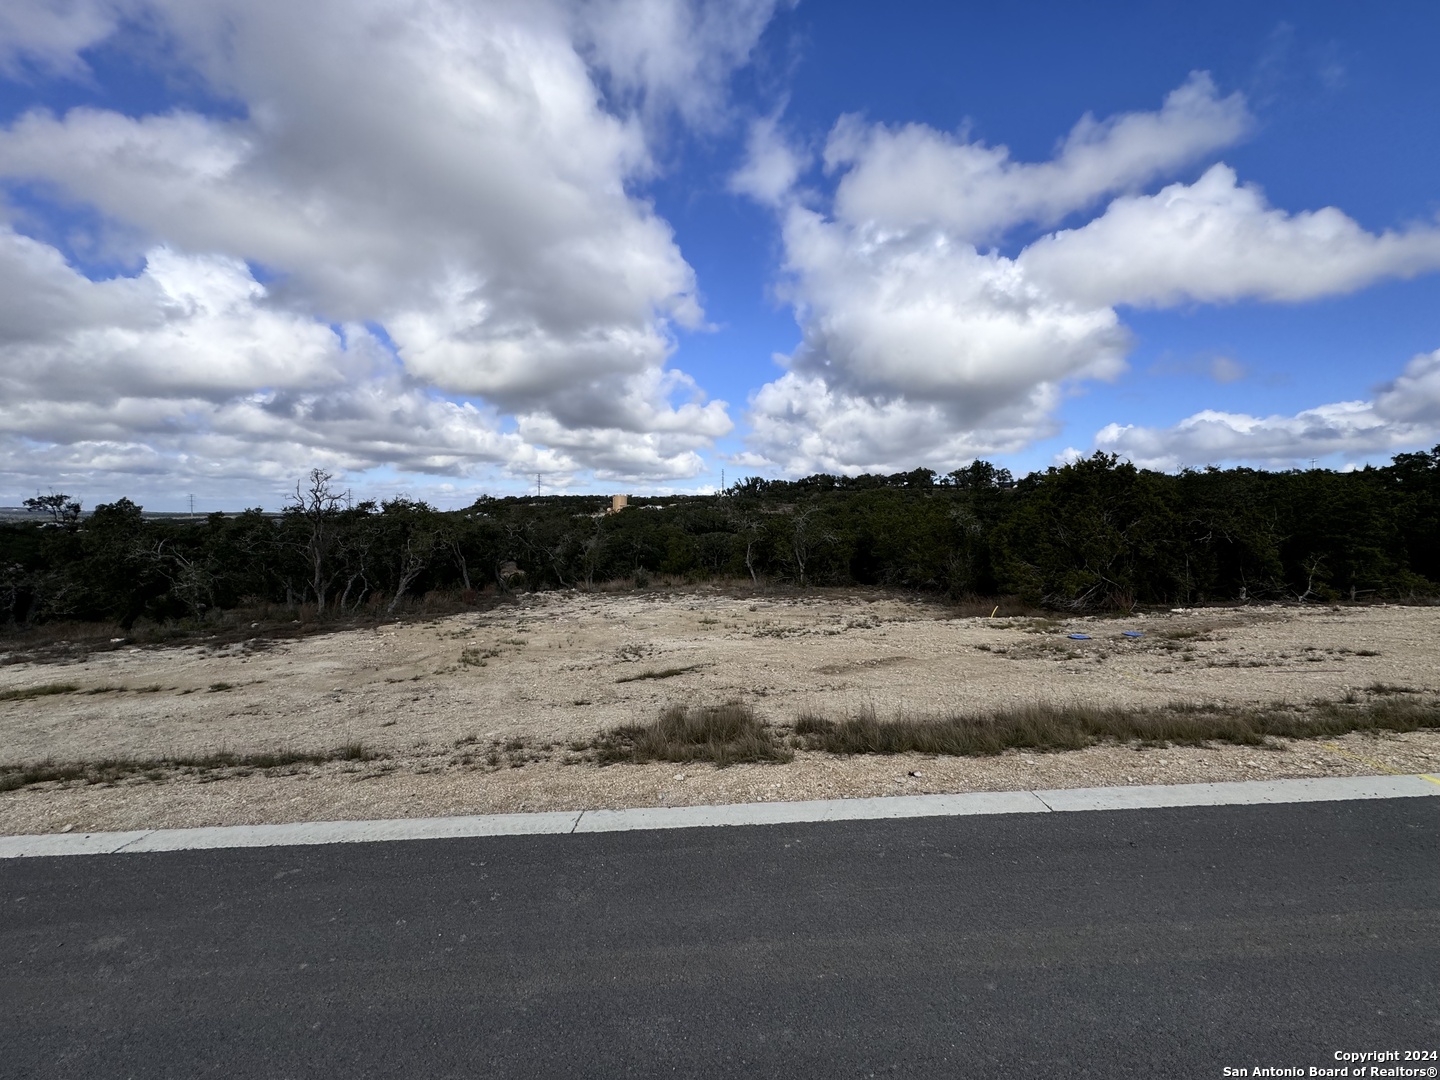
(1241, 793)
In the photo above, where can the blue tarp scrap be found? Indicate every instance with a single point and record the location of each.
(1079, 637)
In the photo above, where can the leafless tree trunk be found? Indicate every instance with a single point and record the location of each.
(318, 503)
(413, 560)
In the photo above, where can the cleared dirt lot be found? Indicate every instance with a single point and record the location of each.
(447, 703)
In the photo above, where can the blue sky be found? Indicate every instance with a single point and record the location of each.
(441, 248)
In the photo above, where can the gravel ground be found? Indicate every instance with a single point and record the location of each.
(441, 700)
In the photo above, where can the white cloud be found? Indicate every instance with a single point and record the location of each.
(187, 326)
(1215, 241)
(663, 54)
(802, 425)
(771, 167)
(1404, 412)
(186, 371)
(50, 34)
(916, 177)
(919, 344)
(925, 317)
(446, 171)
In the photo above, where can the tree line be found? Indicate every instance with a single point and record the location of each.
(1093, 535)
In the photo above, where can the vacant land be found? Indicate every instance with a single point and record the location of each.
(509, 710)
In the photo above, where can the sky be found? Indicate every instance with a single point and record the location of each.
(445, 248)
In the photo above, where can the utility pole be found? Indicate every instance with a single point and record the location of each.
(537, 485)
(192, 506)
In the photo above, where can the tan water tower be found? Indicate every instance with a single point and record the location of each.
(617, 503)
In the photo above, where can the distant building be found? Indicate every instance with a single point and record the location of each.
(618, 503)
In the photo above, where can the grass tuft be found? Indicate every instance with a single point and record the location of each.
(24, 693)
(1073, 727)
(113, 770)
(723, 734)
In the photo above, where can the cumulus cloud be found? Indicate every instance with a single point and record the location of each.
(673, 54)
(50, 34)
(1404, 412)
(186, 372)
(802, 424)
(916, 343)
(916, 177)
(771, 166)
(1215, 241)
(450, 173)
(921, 342)
(924, 316)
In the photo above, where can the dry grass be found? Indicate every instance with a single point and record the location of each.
(1044, 727)
(723, 734)
(663, 673)
(114, 770)
(44, 690)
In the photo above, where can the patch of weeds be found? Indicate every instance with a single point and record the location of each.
(221, 687)
(103, 690)
(1040, 626)
(1366, 652)
(707, 621)
(1389, 688)
(723, 734)
(512, 641)
(1072, 727)
(985, 648)
(25, 693)
(205, 767)
(474, 656)
(663, 673)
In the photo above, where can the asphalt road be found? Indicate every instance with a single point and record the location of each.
(1143, 943)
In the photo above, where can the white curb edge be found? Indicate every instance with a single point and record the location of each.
(1239, 793)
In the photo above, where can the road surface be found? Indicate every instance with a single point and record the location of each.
(1167, 943)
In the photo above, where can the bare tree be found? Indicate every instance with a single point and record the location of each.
(805, 537)
(318, 503)
(414, 558)
(190, 578)
(749, 526)
(592, 550)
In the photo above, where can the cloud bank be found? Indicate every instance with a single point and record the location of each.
(1404, 412)
(444, 180)
(923, 340)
